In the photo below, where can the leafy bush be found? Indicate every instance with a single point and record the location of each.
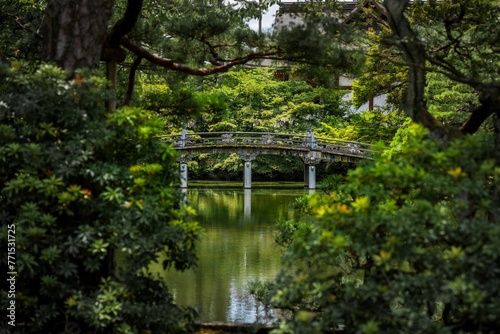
(409, 244)
(85, 189)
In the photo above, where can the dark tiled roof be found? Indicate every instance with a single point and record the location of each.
(347, 6)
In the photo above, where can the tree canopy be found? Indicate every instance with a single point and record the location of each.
(451, 38)
(404, 244)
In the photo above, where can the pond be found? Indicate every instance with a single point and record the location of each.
(236, 248)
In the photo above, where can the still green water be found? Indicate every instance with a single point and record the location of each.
(237, 247)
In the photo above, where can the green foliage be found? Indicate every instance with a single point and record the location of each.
(19, 36)
(448, 101)
(194, 32)
(463, 40)
(459, 41)
(254, 100)
(370, 126)
(181, 104)
(319, 44)
(249, 100)
(380, 74)
(408, 244)
(285, 230)
(85, 188)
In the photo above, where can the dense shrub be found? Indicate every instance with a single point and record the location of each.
(93, 200)
(408, 244)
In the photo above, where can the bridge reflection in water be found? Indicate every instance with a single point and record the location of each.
(310, 149)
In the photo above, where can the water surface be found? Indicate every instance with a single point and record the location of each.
(237, 247)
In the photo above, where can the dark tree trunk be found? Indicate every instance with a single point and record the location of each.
(75, 31)
(408, 42)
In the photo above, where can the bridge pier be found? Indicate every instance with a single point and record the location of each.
(310, 176)
(183, 161)
(247, 175)
(247, 157)
(183, 169)
(310, 161)
(184, 174)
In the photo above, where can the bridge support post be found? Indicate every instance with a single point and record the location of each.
(247, 167)
(247, 175)
(184, 174)
(310, 162)
(183, 169)
(183, 164)
(311, 176)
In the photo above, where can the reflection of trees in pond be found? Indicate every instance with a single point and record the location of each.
(217, 204)
(229, 204)
(232, 252)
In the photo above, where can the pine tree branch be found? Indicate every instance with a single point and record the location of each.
(24, 26)
(172, 65)
(131, 80)
(126, 23)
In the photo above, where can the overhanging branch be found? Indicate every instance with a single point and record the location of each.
(170, 64)
(24, 26)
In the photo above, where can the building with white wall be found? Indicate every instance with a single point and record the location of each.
(289, 15)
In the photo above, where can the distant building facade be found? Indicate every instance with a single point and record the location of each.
(372, 12)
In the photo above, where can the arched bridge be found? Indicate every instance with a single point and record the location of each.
(248, 145)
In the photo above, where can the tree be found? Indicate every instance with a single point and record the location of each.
(461, 45)
(74, 32)
(403, 243)
(195, 38)
(406, 244)
(74, 211)
(91, 200)
(77, 35)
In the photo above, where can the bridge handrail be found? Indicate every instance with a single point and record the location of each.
(274, 134)
(255, 134)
